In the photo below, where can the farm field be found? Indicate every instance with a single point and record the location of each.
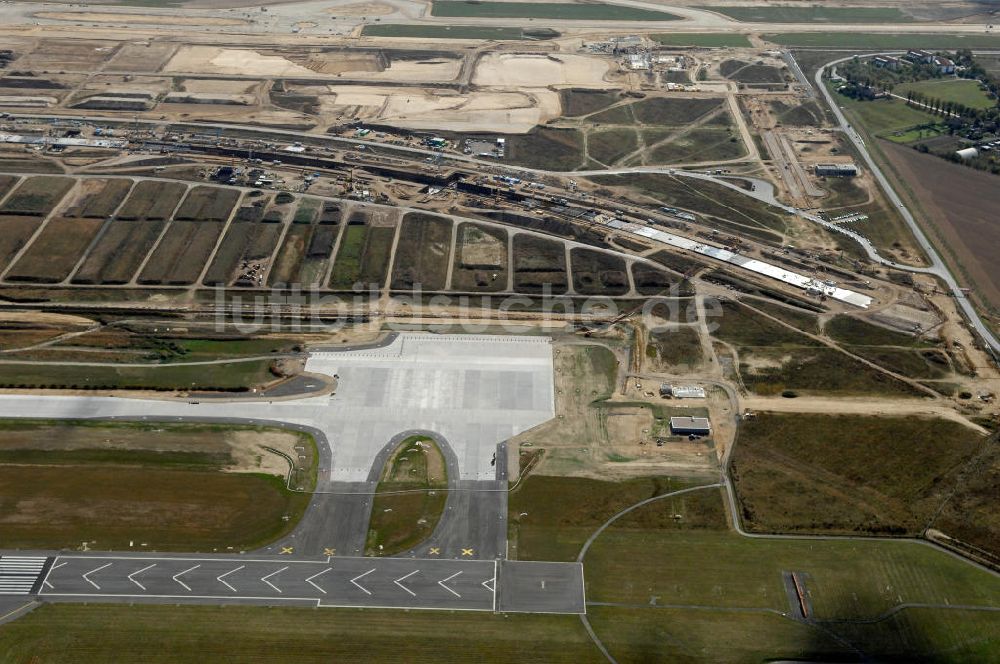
(539, 265)
(549, 10)
(650, 280)
(17, 230)
(119, 252)
(56, 250)
(423, 252)
(766, 14)
(36, 196)
(814, 473)
(7, 183)
(410, 497)
(959, 90)
(207, 204)
(245, 242)
(597, 273)
(98, 199)
(481, 256)
(363, 256)
(958, 205)
(169, 486)
(152, 200)
(182, 253)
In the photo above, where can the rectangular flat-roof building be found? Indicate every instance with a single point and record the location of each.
(684, 426)
(682, 391)
(836, 170)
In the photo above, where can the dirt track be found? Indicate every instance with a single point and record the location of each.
(856, 406)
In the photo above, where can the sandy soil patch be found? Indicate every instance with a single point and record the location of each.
(511, 112)
(522, 70)
(42, 317)
(362, 9)
(376, 66)
(144, 19)
(217, 86)
(68, 55)
(481, 249)
(249, 455)
(235, 61)
(142, 56)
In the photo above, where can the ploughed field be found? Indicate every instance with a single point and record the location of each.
(119, 232)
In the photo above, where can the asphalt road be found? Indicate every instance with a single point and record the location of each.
(398, 583)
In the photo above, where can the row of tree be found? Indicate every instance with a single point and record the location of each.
(943, 107)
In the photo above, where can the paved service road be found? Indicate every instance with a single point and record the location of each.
(398, 583)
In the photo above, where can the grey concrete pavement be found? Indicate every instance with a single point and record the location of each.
(541, 587)
(341, 581)
(402, 583)
(474, 390)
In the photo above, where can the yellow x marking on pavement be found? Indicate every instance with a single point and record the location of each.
(329, 552)
(435, 551)
(287, 549)
(466, 552)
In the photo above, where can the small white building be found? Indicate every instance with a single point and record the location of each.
(967, 153)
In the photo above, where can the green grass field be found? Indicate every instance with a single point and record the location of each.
(848, 474)
(960, 90)
(847, 579)
(161, 486)
(706, 39)
(884, 117)
(230, 376)
(551, 517)
(546, 10)
(768, 14)
(400, 521)
(443, 32)
(876, 40)
(181, 634)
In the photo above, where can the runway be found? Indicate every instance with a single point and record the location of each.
(396, 583)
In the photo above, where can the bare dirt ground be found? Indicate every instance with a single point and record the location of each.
(535, 71)
(857, 406)
(362, 9)
(152, 19)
